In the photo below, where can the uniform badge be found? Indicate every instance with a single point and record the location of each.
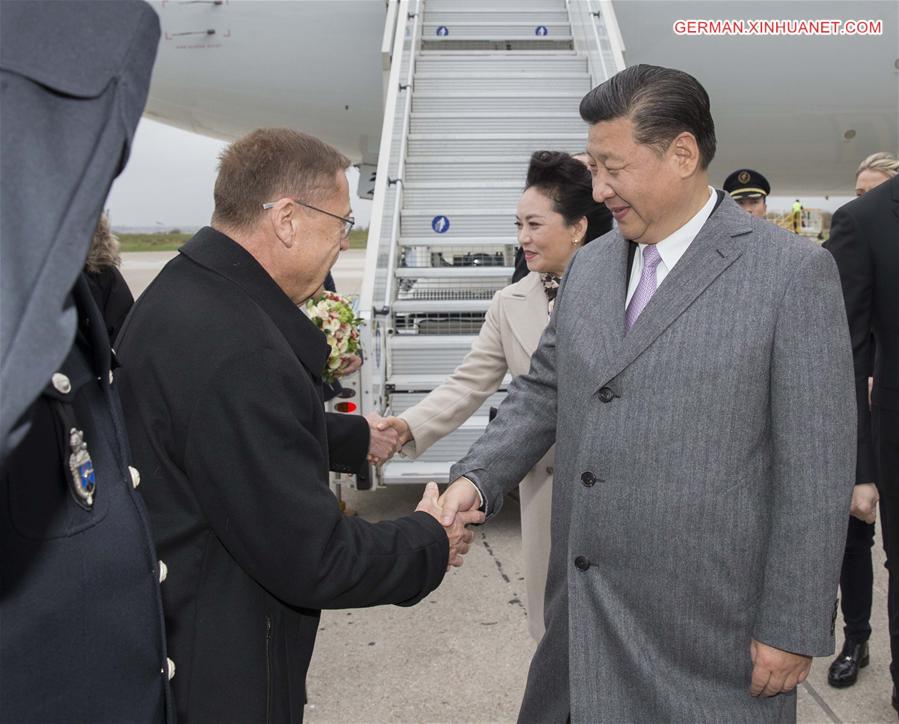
(743, 178)
(82, 468)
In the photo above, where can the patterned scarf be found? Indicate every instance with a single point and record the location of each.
(551, 287)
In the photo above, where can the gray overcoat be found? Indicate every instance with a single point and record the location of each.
(703, 475)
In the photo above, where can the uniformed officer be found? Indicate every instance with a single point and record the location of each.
(750, 190)
(81, 624)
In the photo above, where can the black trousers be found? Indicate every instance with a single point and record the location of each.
(885, 433)
(857, 581)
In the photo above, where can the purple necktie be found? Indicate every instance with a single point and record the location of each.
(646, 287)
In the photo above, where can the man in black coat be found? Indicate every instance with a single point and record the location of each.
(864, 239)
(222, 387)
(81, 622)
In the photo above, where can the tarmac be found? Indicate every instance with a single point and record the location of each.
(462, 654)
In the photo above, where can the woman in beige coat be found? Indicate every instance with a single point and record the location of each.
(556, 215)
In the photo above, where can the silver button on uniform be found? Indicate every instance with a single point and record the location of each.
(135, 476)
(110, 377)
(163, 571)
(61, 383)
(171, 667)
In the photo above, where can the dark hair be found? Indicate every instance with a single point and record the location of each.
(661, 102)
(567, 182)
(269, 164)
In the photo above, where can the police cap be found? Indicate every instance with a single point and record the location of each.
(746, 183)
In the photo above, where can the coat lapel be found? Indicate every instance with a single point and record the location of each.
(527, 312)
(713, 250)
(611, 282)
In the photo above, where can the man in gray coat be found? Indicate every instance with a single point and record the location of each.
(696, 377)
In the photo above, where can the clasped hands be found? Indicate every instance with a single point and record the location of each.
(387, 437)
(453, 522)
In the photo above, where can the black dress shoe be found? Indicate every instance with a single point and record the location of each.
(843, 671)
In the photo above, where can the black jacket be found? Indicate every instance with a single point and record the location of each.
(864, 239)
(81, 625)
(113, 297)
(221, 381)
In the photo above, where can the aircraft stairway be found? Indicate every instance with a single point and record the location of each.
(480, 85)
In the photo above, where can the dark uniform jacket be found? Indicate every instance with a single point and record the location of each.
(223, 392)
(864, 239)
(113, 297)
(81, 627)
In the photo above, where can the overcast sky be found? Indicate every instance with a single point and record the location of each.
(169, 178)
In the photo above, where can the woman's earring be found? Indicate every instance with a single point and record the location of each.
(575, 241)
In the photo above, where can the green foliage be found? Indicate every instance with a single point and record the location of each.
(170, 241)
(358, 238)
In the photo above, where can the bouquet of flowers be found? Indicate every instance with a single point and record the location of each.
(334, 315)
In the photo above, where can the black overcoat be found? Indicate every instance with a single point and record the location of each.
(221, 383)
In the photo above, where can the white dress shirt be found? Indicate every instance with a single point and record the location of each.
(671, 248)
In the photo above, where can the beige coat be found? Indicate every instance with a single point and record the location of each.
(515, 320)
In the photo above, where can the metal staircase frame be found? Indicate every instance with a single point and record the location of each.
(595, 37)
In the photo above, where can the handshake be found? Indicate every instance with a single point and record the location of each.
(388, 435)
(454, 510)
(446, 510)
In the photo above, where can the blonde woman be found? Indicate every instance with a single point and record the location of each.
(874, 170)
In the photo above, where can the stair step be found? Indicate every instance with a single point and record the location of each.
(426, 383)
(464, 242)
(510, 144)
(476, 5)
(487, 44)
(452, 272)
(496, 30)
(533, 83)
(468, 169)
(477, 103)
(540, 125)
(462, 223)
(442, 306)
(474, 195)
(402, 401)
(533, 17)
(503, 62)
(415, 472)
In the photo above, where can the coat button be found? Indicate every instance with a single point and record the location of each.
(606, 394)
(549, 470)
(163, 571)
(135, 476)
(61, 383)
(170, 665)
(588, 479)
(581, 563)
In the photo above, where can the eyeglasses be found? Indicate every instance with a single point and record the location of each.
(348, 222)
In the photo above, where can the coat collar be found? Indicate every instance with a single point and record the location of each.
(894, 186)
(224, 256)
(714, 249)
(527, 311)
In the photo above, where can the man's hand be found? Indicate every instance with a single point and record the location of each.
(398, 424)
(349, 363)
(459, 536)
(775, 671)
(383, 443)
(864, 502)
(460, 497)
